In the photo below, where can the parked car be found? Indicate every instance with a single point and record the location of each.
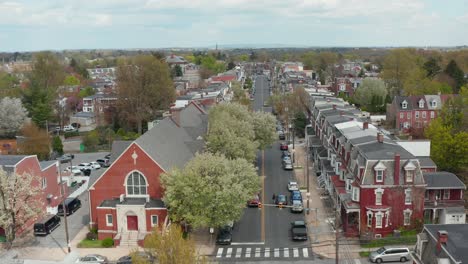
(95, 165)
(299, 230)
(287, 164)
(87, 172)
(283, 146)
(293, 186)
(67, 157)
(107, 156)
(297, 206)
(281, 199)
(69, 128)
(254, 201)
(383, 254)
(103, 162)
(73, 170)
(281, 136)
(92, 259)
(296, 196)
(46, 225)
(84, 166)
(285, 154)
(224, 236)
(71, 205)
(141, 255)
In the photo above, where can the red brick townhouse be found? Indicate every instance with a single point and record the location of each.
(377, 184)
(346, 85)
(126, 200)
(49, 180)
(411, 114)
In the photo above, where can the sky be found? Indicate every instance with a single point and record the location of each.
(30, 25)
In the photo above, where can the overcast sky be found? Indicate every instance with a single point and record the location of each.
(85, 24)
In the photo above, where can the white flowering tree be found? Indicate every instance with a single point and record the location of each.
(12, 115)
(19, 201)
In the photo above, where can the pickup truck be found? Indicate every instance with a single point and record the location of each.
(299, 230)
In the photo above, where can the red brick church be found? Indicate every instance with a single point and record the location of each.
(126, 200)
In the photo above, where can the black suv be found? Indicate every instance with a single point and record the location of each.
(224, 236)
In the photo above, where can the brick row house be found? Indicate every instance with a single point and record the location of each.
(49, 180)
(411, 114)
(346, 85)
(377, 184)
(126, 202)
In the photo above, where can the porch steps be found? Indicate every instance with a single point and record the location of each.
(129, 239)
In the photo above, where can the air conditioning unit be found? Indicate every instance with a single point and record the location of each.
(122, 198)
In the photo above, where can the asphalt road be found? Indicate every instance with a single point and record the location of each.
(267, 234)
(80, 218)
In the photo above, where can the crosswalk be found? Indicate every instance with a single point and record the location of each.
(257, 252)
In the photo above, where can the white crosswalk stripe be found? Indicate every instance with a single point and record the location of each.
(247, 252)
(220, 252)
(229, 252)
(237, 252)
(257, 252)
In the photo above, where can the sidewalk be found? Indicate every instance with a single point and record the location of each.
(320, 216)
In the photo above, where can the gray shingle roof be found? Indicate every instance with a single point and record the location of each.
(173, 146)
(427, 162)
(118, 147)
(457, 244)
(47, 163)
(11, 160)
(443, 180)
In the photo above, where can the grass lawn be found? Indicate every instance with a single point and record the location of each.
(364, 254)
(408, 239)
(86, 243)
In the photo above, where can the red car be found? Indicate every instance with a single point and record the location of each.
(254, 201)
(284, 146)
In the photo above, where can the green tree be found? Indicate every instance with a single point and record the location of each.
(87, 91)
(369, 89)
(144, 89)
(9, 85)
(456, 73)
(431, 66)
(71, 80)
(91, 140)
(397, 66)
(176, 71)
(211, 190)
(169, 247)
(231, 65)
(264, 128)
(57, 145)
(300, 122)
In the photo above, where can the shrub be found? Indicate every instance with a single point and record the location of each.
(93, 230)
(57, 145)
(91, 236)
(71, 134)
(108, 242)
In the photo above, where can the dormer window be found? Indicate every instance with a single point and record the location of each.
(410, 169)
(404, 104)
(379, 170)
(421, 103)
(434, 103)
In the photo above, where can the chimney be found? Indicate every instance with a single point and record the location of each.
(334, 107)
(365, 125)
(441, 239)
(380, 137)
(175, 115)
(396, 171)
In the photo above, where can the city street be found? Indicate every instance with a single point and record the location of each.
(265, 233)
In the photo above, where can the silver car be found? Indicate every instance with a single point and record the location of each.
(92, 259)
(297, 206)
(287, 164)
(384, 254)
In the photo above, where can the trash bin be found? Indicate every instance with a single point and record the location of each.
(82, 147)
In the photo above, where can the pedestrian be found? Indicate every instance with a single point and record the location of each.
(274, 197)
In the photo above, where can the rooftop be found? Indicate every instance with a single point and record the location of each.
(457, 244)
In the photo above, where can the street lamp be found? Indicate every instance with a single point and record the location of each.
(308, 198)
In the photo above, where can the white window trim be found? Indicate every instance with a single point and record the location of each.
(377, 175)
(44, 183)
(348, 185)
(381, 191)
(408, 198)
(421, 104)
(157, 220)
(369, 217)
(355, 196)
(136, 195)
(107, 220)
(410, 212)
(407, 173)
(404, 105)
(387, 216)
(381, 215)
(446, 193)
(432, 114)
(423, 114)
(416, 114)
(402, 115)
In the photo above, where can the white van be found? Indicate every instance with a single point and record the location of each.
(390, 254)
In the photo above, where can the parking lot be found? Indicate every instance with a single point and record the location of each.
(80, 218)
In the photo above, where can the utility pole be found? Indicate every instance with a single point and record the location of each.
(337, 261)
(64, 210)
